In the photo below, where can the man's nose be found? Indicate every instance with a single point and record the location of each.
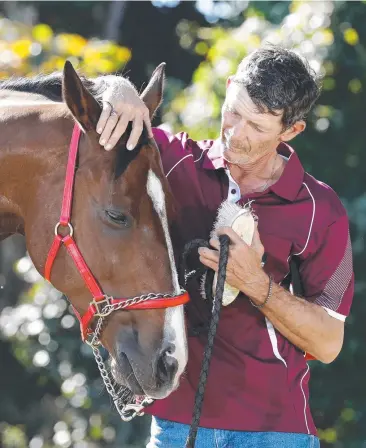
(236, 132)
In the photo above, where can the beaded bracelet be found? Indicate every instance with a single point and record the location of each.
(268, 295)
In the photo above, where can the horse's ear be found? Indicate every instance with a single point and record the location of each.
(153, 93)
(84, 107)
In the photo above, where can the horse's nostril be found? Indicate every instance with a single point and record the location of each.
(169, 349)
(167, 366)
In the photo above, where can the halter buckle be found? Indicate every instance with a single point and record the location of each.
(99, 305)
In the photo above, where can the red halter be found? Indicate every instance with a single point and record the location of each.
(100, 300)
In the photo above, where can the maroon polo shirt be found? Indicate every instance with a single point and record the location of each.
(258, 380)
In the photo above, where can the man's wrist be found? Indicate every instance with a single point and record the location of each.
(259, 289)
(269, 294)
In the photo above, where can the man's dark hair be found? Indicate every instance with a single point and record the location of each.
(278, 80)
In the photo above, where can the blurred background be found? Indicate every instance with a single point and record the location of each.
(50, 392)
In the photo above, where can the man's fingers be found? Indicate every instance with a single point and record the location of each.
(108, 129)
(257, 243)
(111, 126)
(210, 264)
(137, 128)
(214, 242)
(209, 254)
(107, 109)
(256, 238)
(119, 130)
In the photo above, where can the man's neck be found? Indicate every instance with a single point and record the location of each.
(259, 176)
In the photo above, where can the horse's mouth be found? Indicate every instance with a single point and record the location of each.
(128, 377)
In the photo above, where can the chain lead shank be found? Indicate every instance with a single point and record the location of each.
(121, 399)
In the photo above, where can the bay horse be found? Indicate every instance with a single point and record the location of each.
(119, 203)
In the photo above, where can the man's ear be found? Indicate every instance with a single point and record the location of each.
(293, 131)
(228, 81)
(84, 107)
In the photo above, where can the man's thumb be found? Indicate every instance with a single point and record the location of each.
(256, 241)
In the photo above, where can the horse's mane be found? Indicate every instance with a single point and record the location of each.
(49, 86)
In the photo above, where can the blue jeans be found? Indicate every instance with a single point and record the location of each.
(167, 434)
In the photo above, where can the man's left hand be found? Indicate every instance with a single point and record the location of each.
(243, 269)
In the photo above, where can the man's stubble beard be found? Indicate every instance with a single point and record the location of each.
(245, 154)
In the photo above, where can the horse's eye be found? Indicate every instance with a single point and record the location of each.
(118, 217)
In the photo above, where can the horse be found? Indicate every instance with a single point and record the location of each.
(112, 239)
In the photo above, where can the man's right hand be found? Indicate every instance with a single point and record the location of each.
(122, 104)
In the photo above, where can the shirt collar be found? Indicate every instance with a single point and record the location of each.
(214, 159)
(287, 186)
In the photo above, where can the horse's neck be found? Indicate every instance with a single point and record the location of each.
(18, 98)
(32, 140)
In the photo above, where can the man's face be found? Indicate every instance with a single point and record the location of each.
(247, 134)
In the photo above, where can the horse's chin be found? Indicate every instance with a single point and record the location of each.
(127, 378)
(123, 375)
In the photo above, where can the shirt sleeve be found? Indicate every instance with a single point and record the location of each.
(173, 148)
(327, 274)
(163, 138)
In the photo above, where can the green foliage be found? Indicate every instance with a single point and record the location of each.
(27, 51)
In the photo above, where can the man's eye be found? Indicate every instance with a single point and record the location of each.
(256, 127)
(231, 110)
(234, 112)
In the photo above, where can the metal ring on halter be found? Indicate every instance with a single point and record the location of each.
(71, 229)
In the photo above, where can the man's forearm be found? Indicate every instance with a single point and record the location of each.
(307, 325)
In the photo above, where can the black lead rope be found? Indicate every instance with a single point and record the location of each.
(216, 308)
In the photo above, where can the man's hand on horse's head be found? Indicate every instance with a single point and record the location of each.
(122, 104)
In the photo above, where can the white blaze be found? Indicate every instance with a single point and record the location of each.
(174, 317)
(156, 193)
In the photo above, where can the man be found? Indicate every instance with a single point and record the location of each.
(257, 389)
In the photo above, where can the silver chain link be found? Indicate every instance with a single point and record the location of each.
(127, 410)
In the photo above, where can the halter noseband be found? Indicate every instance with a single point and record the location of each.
(102, 305)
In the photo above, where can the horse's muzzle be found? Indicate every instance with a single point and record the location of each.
(155, 379)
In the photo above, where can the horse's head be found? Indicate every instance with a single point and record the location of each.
(120, 211)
